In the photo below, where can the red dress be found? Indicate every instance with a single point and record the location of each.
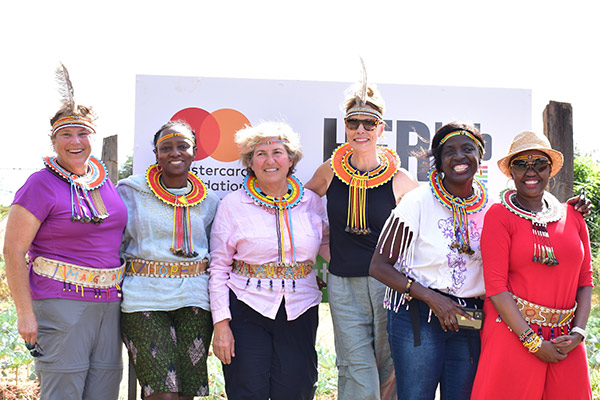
(506, 368)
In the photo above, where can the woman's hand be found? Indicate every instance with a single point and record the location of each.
(27, 327)
(582, 204)
(549, 353)
(445, 309)
(223, 342)
(565, 343)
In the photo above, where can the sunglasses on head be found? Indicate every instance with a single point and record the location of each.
(368, 124)
(521, 165)
(34, 349)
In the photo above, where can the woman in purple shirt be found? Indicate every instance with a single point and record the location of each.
(263, 291)
(68, 220)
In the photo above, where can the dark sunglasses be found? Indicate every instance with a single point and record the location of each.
(538, 164)
(34, 349)
(368, 124)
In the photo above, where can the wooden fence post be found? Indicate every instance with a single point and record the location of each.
(110, 157)
(558, 127)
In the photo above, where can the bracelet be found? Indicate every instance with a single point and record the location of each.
(407, 295)
(579, 330)
(533, 343)
(528, 332)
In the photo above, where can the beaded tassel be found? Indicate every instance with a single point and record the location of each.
(357, 221)
(543, 252)
(182, 244)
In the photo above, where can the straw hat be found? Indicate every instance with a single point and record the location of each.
(530, 141)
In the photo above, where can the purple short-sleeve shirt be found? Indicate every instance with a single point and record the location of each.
(91, 245)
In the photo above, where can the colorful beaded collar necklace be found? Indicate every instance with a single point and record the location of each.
(460, 208)
(182, 244)
(86, 202)
(543, 252)
(281, 207)
(359, 181)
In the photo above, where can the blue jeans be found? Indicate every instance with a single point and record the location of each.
(448, 358)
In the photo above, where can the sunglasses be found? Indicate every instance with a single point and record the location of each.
(368, 124)
(34, 349)
(538, 164)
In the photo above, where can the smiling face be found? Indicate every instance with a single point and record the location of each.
(175, 154)
(460, 161)
(362, 139)
(271, 164)
(73, 148)
(531, 183)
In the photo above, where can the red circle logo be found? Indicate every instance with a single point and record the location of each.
(214, 131)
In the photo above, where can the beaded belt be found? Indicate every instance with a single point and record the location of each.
(272, 270)
(158, 269)
(544, 316)
(76, 274)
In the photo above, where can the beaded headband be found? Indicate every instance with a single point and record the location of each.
(531, 158)
(364, 111)
(73, 122)
(170, 135)
(270, 142)
(466, 133)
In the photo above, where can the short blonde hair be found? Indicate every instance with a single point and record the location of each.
(250, 136)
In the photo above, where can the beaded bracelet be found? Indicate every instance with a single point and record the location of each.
(528, 332)
(533, 343)
(407, 295)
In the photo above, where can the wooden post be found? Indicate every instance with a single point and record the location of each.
(558, 127)
(110, 158)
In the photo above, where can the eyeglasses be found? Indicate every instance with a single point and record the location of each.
(34, 349)
(368, 124)
(538, 164)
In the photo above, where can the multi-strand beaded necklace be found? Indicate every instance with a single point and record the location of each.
(86, 202)
(460, 208)
(281, 207)
(552, 211)
(182, 244)
(360, 181)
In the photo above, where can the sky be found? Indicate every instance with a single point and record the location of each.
(549, 47)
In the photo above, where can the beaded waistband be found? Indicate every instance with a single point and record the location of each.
(272, 270)
(544, 316)
(76, 274)
(158, 269)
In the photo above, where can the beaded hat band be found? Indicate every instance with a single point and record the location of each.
(73, 122)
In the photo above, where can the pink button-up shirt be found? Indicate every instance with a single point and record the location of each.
(245, 231)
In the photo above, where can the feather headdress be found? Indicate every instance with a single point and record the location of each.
(70, 112)
(359, 95)
(65, 88)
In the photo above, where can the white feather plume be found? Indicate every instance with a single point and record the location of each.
(65, 87)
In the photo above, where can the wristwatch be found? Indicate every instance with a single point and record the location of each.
(579, 330)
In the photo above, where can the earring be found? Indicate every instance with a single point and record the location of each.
(552, 183)
(158, 167)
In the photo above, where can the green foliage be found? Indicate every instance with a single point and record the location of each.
(587, 175)
(13, 353)
(126, 168)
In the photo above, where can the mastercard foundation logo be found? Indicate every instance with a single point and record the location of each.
(214, 131)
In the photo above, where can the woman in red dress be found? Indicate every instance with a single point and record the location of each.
(538, 279)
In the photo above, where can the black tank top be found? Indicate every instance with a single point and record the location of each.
(351, 254)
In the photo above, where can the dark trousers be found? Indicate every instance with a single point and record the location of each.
(274, 359)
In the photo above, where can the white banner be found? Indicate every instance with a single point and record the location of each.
(217, 107)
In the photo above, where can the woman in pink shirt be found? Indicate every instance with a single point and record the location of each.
(264, 295)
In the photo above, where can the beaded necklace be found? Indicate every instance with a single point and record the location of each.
(360, 181)
(460, 208)
(182, 244)
(281, 207)
(86, 202)
(552, 211)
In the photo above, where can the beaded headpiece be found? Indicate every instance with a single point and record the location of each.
(465, 133)
(267, 142)
(170, 135)
(371, 112)
(73, 121)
